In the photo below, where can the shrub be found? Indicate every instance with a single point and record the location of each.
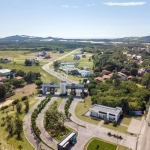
(109, 134)
(24, 98)
(106, 121)
(114, 123)
(15, 101)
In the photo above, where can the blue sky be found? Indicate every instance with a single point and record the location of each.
(75, 18)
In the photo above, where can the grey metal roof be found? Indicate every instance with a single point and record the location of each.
(106, 109)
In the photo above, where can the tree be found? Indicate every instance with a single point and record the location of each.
(134, 71)
(39, 83)
(2, 91)
(15, 82)
(10, 127)
(146, 80)
(20, 147)
(30, 77)
(26, 106)
(56, 64)
(20, 73)
(114, 123)
(18, 107)
(28, 62)
(18, 124)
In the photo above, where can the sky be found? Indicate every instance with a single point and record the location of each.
(75, 18)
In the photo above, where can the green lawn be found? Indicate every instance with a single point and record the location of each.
(12, 143)
(46, 77)
(127, 119)
(103, 145)
(82, 108)
(59, 137)
(119, 128)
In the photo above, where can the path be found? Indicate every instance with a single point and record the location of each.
(28, 130)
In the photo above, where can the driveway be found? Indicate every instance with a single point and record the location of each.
(135, 126)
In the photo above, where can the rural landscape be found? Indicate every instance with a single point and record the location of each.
(74, 75)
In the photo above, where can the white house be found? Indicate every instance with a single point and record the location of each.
(105, 112)
(5, 72)
(84, 73)
(76, 57)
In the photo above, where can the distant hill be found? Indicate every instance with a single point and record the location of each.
(145, 39)
(28, 38)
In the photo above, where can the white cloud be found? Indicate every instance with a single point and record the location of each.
(89, 5)
(65, 6)
(75, 6)
(125, 3)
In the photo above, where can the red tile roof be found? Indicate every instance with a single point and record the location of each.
(18, 77)
(2, 78)
(99, 78)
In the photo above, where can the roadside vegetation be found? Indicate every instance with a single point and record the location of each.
(11, 123)
(54, 122)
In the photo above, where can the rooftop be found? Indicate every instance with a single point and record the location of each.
(106, 109)
(67, 138)
(2, 71)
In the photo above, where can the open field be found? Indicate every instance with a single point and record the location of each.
(103, 145)
(27, 90)
(12, 143)
(20, 66)
(82, 108)
(22, 55)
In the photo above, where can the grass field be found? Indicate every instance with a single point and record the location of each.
(103, 145)
(12, 143)
(22, 55)
(82, 62)
(127, 119)
(82, 108)
(119, 128)
(20, 66)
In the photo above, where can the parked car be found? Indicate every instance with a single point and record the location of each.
(40, 95)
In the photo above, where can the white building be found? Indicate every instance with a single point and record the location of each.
(5, 72)
(84, 73)
(76, 57)
(105, 112)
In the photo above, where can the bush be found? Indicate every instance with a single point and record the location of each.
(114, 123)
(4, 107)
(109, 134)
(24, 98)
(15, 101)
(106, 121)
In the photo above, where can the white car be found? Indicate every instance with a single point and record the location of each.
(40, 95)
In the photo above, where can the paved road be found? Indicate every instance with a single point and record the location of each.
(52, 72)
(28, 130)
(144, 138)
